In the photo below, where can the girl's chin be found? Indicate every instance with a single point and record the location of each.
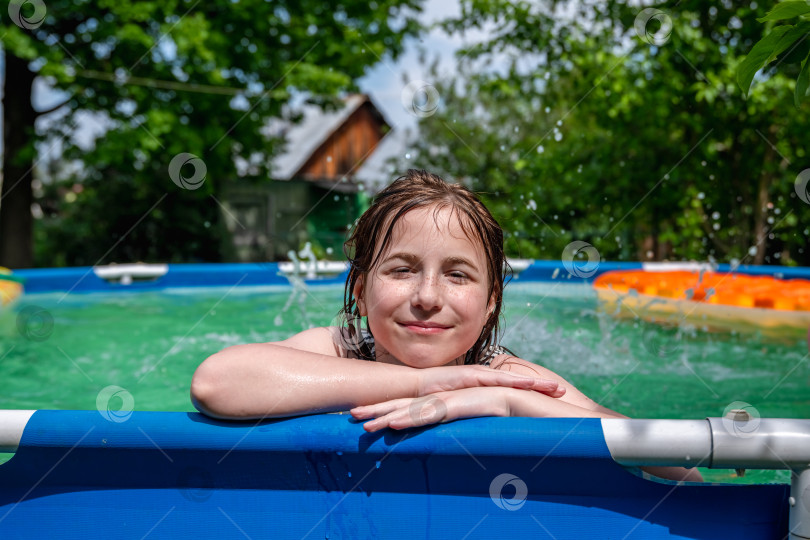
(419, 361)
(419, 357)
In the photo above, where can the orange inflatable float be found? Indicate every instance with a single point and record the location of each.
(710, 300)
(10, 287)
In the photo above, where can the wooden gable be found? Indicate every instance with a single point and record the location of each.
(347, 147)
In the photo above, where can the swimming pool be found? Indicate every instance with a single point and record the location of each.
(148, 342)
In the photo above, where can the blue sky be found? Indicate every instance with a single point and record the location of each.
(383, 82)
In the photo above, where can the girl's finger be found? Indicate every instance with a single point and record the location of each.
(404, 413)
(379, 409)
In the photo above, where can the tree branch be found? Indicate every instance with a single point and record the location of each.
(55, 107)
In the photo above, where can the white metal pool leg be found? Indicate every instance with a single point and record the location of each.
(800, 505)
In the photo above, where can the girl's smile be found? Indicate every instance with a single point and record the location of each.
(426, 299)
(423, 327)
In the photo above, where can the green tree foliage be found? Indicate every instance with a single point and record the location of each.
(786, 43)
(625, 129)
(170, 77)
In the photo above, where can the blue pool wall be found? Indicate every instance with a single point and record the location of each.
(182, 475)
(83, 279)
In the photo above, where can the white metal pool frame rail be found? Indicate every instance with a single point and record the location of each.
(734, 442)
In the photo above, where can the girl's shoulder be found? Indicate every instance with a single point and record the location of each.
(320, 340)
(333, 341)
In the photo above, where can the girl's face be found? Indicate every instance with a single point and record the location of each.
(427, 298)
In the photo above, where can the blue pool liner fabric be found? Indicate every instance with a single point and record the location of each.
(83, 279)
(77, 474)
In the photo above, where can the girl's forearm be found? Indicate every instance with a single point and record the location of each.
(522, 403)
(536, 405)
(271, 381)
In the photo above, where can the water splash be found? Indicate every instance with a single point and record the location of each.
(299, 288)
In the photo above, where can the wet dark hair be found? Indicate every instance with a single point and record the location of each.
(372, 233)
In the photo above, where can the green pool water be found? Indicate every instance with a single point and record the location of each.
(150, 343)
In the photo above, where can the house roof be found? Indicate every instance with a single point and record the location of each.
(392, 156)
(305, 137)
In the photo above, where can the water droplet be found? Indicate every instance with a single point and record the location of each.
(503, 148)
(408, 155)
(531, 205)
(752, 250)
(701, 195)
(377, 464)
(716, 226)
(350, 474)
(548, 109)
(557, 136)
(715, 215)
(339, 453)
(559, 122)
(540, 149)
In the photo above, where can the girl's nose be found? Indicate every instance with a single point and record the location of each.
(428, 294)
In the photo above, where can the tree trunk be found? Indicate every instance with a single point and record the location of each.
(16, 197)
(761, 213)
(761, 208)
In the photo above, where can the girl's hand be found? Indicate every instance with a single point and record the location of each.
(434, 409)
(446, 378)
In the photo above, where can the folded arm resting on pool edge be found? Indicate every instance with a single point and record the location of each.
(307, 375)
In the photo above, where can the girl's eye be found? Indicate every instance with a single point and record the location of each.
(458, 275)
(401, 270)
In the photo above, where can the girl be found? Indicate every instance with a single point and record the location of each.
(426, 273)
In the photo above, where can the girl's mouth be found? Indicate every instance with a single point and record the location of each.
(424, 327)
